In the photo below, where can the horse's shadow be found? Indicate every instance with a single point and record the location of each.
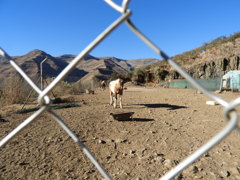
(169, 106)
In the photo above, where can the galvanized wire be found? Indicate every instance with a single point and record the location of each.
(229, 107)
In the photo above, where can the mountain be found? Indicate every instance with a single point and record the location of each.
(141, 62)
(88, 69)
(101, 68)
(31, 65)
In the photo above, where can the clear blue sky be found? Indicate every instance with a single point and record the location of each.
(67, 26)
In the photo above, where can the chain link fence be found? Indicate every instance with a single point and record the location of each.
(229, 107)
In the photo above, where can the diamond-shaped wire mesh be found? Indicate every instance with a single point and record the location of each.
(44, 100)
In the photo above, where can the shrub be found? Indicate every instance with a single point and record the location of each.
(63, 88)
(127, 76)
(14, 90)
(160, 74)
(78, 88)
(114, 76)
(138, 76)
(66, 88)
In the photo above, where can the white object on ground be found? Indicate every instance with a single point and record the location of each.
(213, 103)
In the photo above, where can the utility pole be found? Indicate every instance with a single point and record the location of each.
(41, 72)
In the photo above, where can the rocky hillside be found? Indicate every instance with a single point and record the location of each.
(30, 63)
(88, 69)
(212, 60)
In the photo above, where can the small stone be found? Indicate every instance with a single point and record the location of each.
(102, 142)
(207, 154)
(180, 177)
(132, 151)
(194, 169)
(191, 170)
(153, 132)
(108, 157)
(168, 163)
(225, 173)
(23, 163)
(124, 141)
(160, 154)
(160, 157)
(198, 177)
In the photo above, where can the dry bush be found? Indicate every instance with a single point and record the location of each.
(78, 88)
(66, 88)
(14, 90)
(160, 74)
(63, 88)
(138, 76)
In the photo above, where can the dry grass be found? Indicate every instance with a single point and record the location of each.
(14, 91)
(66, 88)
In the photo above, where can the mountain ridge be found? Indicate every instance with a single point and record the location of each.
(89, 68)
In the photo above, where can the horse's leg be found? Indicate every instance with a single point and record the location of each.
(111, 98)
(115, 100)
(120, 100)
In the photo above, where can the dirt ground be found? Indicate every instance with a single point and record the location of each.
(168, 125)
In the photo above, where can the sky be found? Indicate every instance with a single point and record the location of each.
(67, 26)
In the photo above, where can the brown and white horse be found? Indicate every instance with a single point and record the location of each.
(115, 89)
